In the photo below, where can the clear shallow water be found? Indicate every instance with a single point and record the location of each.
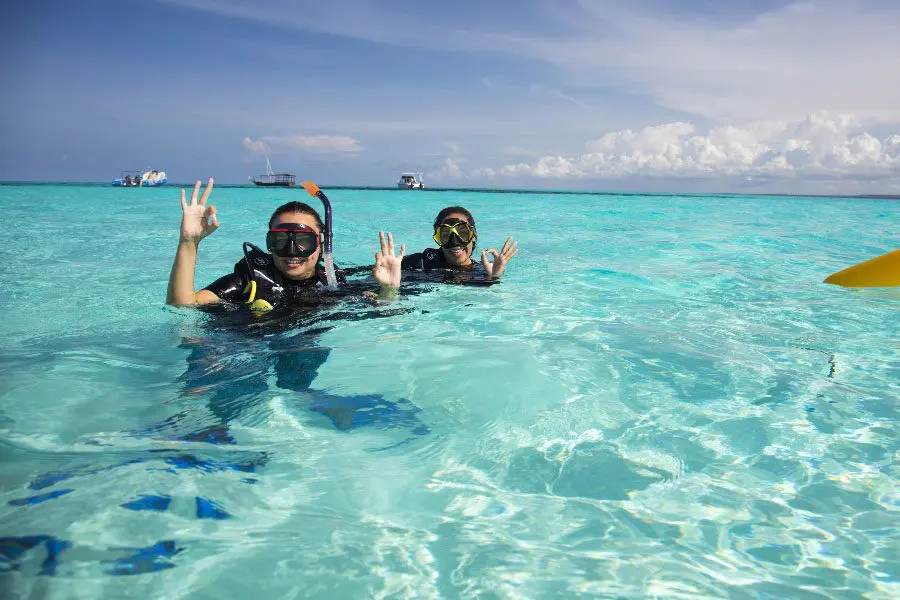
(660, 399)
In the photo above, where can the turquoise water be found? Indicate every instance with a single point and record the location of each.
(661, 399)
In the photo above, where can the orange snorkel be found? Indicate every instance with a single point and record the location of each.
(314, 190)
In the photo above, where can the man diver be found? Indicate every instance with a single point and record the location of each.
(291, 277)
(296, 239)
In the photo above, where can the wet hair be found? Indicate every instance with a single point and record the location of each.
(454, 209)
(297, 207)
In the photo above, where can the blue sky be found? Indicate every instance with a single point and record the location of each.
(689, 96)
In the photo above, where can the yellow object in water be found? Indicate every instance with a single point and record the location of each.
(881, 271)
(260, 306)
(257, 305)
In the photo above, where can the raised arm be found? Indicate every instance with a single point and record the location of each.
(198, 220)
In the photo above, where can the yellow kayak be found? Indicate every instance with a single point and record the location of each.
(881, 271)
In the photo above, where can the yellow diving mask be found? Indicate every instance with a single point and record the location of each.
(453, 232)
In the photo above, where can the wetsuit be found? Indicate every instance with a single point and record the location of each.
(432, 262)
(231, 367)
(256, 278)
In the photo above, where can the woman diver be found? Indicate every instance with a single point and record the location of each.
(455, 233)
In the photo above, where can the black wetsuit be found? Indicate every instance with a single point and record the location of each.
(231, 365)
(430, 265)
(430, 259)
(256, 278)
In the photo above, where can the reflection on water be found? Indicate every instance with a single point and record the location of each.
(656, 407)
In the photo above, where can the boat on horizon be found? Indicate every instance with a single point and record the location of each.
(272, 179)
(411, 181)
(146, 178)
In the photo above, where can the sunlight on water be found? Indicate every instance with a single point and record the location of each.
(661, 399)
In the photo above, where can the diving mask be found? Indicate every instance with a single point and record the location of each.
(292, 239)
(453, 232)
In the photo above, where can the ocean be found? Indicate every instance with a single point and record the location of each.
(660, 398)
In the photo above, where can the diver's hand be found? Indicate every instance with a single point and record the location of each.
(387, 266)
(198, 219)
(496, 268)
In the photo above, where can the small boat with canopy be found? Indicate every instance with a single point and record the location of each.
(411, 181)
(272, 179)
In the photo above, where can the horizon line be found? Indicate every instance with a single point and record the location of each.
(486, 190)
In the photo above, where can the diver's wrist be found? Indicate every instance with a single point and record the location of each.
(388, 292)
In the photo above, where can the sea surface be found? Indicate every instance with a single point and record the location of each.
(659, 399)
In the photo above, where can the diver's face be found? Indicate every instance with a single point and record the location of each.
(457, 253)
(290, 263)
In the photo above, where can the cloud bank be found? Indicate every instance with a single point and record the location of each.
(820, 146)
(751, 91)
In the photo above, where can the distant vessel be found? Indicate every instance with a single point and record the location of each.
(148, 178)
(411, 181)
(272, 179)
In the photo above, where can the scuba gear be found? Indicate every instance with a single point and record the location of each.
(429, 259)
(263, 278)
(257, 280)
(314, 190)
(292, 239)
(431, 266)
(266, 286)
(453, 232)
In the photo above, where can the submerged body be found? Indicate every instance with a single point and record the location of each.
(287, 290)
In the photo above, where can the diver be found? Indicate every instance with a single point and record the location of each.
(298, 241)
(455, 233)
(291, 280)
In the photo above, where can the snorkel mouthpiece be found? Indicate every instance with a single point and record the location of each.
(313, 190)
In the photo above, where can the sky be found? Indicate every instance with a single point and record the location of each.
(691, 96)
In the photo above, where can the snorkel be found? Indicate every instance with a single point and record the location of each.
(314, 190)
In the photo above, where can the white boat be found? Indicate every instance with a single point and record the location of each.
(411, 181)
(148, 178)
(153, 177)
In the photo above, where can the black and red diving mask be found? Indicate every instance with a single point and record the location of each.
(292, 239)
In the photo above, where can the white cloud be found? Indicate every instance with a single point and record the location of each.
(734, 63)
(818, 147)
(781, 64)
(257, 146)
(516, 169)
(450, 170)
(327, 144)
(483, 173)
(740, 81)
